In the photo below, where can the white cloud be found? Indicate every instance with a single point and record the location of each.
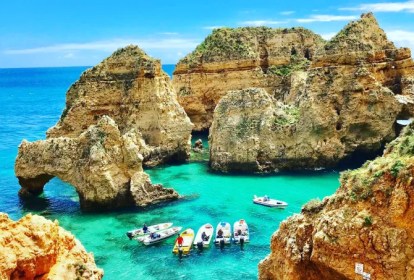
(401, 38)
(109, 46)
(261, 22)
(325, 18)
(407, 6)
(287, 13)
(328, 36)
(212, 27)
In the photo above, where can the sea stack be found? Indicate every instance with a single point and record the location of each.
(367, 224)
(36, 248)
(120, 115)
(347, 102)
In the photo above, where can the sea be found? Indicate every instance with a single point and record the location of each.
(32, 100)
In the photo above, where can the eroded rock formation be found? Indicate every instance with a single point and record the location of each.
(131, 88)
(121, 114)
(36, 248)
(347, 102)
(237, 58)
(104, 166)
(368, 220)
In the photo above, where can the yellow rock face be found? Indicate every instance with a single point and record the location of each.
(345, 103)
(104, 166)
(234, 59)
(121, 114)
(131, 88)
(36, 248)
(367, 221)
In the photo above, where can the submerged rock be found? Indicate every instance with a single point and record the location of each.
(121, 114)
(347, 102)
(367, 221)
(198, 146)
(36, 248)
(237, 58)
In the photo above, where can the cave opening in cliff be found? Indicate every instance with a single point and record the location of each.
(402, 120)
(357, 158)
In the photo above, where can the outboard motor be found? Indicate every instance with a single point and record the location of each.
(129, 234)
(221, 244)
(241, 242)
(180, 252)
(200, 246)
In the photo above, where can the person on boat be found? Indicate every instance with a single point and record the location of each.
(145, 228)
(204, 236)
(239, 232)
(220, 233)
(152, 235)
(179, 240)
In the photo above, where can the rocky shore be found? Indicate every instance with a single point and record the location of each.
(120, 115)
(367, 221)
(36, 248)
(345, 102)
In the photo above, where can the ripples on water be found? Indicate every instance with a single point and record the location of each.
(32, 100)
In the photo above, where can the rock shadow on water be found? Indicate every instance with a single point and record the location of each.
(47, 206)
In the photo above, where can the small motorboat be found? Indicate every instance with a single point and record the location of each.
(188, 237)
(159, 236)
(140, 231)
(269, 202)
(241, 231)
(223, 233)
(205, 240)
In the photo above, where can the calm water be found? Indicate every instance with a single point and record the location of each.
(32, 101)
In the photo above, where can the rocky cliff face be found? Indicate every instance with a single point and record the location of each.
(103, 165)
(368, 221)
(346, 102)
(131, 88)
(121, 114)
(36, 248)
(237, 58)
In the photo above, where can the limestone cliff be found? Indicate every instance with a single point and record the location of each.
(346, 103)
(368, 220)
(237, 58)
(36, 248)
(131, 88)
(121, 114)
(103, 165)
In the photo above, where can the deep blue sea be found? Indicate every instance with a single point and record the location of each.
(32, 101)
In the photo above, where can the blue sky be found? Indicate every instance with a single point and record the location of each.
(70, 33)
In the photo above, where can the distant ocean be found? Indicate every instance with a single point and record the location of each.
(32, 100)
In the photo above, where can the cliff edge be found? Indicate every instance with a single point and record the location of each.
(367, 221)
(36, 248)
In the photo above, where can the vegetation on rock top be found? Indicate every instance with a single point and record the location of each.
(238, 43)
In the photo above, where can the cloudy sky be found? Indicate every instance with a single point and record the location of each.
(82, 32)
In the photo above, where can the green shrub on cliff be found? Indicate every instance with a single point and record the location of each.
(392, 165)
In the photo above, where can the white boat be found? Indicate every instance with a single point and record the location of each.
(226, 233)
(154, 228)
(269, 202)
(185, 248)
(209, 233)
(241, 231)
(160, 235)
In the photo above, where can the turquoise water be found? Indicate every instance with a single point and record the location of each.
(32, 100)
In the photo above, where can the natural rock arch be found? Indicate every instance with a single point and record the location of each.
(104, 166)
